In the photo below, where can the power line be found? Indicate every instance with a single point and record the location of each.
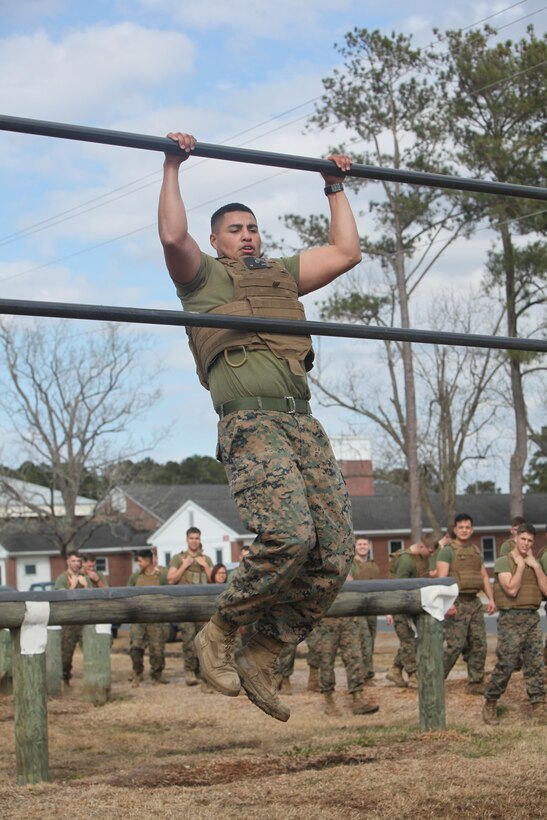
(82, 209)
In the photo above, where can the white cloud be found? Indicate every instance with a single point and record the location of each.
(94, 73)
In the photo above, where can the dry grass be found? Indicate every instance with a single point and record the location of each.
(174, 752)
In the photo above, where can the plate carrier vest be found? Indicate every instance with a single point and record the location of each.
(267, 290)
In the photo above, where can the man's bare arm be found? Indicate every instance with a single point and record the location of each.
(319, 266)
(182, 254)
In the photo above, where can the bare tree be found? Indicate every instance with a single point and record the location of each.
(70, 399)
(456, 390)
(385, 94)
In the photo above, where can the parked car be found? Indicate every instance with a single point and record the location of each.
(42, 586)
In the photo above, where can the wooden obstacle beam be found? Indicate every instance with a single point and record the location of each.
(28, 615)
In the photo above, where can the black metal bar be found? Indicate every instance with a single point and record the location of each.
(226, 152)
(107, 313)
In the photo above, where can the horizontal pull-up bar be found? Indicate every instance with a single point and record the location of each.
(203, 149)
(107, 313)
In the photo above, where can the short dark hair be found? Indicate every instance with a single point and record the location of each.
(517, 521)
(74, 552)
(191, 530)
(145, 554)
(529, 528)
(226, 209)
(463, 517)
(88, 557)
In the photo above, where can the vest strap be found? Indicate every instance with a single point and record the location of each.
(287, 404)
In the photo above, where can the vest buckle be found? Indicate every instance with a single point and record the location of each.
(291, 404)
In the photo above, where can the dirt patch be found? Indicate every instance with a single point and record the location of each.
(175, 752)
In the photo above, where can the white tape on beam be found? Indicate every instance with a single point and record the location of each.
(34, 628)
(103, 629)
(437, 600)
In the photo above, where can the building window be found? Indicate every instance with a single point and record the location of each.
(30, 569)
(395, 545)
(219, 556)
(101, 565)
(488, 549)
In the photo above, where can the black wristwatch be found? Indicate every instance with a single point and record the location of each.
(333, 189)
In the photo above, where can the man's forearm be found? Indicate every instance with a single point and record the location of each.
(343, 228)
(172, 221)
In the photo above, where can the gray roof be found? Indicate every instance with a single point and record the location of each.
(17, 539)
(163, 501)
(386, 511)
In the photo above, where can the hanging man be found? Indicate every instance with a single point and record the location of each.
(282, 472)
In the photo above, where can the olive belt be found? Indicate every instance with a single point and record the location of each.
(287, 404)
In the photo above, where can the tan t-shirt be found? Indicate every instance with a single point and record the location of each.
(263, 374)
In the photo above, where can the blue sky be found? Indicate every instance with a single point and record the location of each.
(79, 220)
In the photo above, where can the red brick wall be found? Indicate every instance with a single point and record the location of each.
(358, 476)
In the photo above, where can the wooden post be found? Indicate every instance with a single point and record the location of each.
(54, 663)
(30, 712)
(6, 663)
(96, 641)
(429, 655)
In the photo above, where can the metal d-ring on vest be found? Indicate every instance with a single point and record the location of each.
(235, 364)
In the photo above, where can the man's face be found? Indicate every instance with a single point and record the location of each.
(236, 235)
(463, 530)
(144, 563)
(193, 541)
(524, 542)
(425, 550)
(88, 566)
(362, 547)
(74, 563)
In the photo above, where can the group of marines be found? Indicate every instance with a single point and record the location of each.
(519, 588)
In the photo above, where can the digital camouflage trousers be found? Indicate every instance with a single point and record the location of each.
(290, 493)
(405, 657)
(188, 631)
(153, 636)
(70, 636)
(466, 629)
(314, 647)
(519, 636)
(341, 634)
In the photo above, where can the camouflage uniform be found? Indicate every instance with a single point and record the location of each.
(407, 565)
(152, 634)
(519, 634)
(289, 491)
(466, 628)
(314, 647)
(367, 571)
(343, 634)
(195, 574)
(284, 665)
(71, 634)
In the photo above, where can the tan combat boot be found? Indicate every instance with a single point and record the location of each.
(395, 675)
(136, 679)
(285, 687)
(490, 712)
(255, 665)
(330, 706)
(159, 679)
(205, 688)
(412, 682)
(476, 688)
(190, 678)
(360, 706)
(215, 650)
(538, 713)
(313, 679)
